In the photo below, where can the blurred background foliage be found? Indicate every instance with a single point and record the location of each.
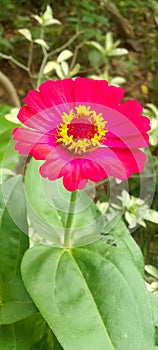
(113, 40)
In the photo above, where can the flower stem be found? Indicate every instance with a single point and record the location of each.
(70, 218)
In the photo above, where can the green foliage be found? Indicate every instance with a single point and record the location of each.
(135, 210)
(152, 112)
(94, 281)
(88, 17)
(31, 333)
(8, 156)
(49, 213)
(152, 279)
(15, 303)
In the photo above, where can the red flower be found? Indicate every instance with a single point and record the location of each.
(81, 131)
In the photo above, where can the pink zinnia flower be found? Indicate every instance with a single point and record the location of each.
(82, 131)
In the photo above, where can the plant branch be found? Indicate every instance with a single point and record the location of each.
(12, 59)
(75, 54)
(8, 86)
(30, 57)
(44, 60)
(64, 46)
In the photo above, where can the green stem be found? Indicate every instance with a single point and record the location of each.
(70, 218)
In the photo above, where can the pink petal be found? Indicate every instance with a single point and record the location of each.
(130, 108)
(135, 141)
(54, 163)
(142, 123)
(24, 114)
(121, 126)
(29, 140)
(113, 96)
(57, 92)
(41, 151)
(35, 101)
(72, 175)
(87, 90)
(45, 120)
(120, 163)
(92, 171)
(127, 128)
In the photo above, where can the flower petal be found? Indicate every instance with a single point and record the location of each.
(87, 90)
(25, 114)
(121, 126)
(93, 171)
(44, 121)
(130, 108)
(113, 96)
(54, 163)
(72, 174)
(134, 141)
(35, 101)
(57, 92)
(119, 163)
(33, 142)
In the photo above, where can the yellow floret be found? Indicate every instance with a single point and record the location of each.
(82, 145)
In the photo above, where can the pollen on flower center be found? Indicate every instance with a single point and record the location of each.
(82, 130)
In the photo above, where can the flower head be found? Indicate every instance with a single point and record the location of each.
(82, 131)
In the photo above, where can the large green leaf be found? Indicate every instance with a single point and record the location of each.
(48, 342)
(8, 155)
(15, 303)
(31, 333)
(125, 240)
(92, 297)
(48, 207)
(154, 305)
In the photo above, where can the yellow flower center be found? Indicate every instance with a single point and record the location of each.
(81, 131)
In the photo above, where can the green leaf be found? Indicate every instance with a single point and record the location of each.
(48, 342)
(91, 297)
(4, 172)
(12, 116)
(96, 46)
(108, 41)
(23, 334)
(122, 236)
(152, 216)
(64, 55)
(65, 68)
(47, 17)
(152, 270)
(154, 304)
(26, 33)
(38, 19)
(118, 52)
(59, 72)
(156, 335)
(15, 303)
(4, 109)
(42, 43)
(50, 66)
(75, 70)
(48, 207)
(95, 58)
(8, 156)
(117, 81)
(153, 108)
